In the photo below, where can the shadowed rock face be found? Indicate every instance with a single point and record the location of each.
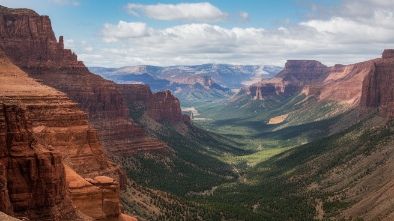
(160, 106)
(378, 91)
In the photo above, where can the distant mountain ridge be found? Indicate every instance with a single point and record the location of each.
(199, 83)
(226, 75)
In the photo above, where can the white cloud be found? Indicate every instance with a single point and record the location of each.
(338, 38)
(124, 30)
(65, 2)
(197, 12)
(137, 43)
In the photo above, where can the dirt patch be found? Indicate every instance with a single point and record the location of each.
(277, 119)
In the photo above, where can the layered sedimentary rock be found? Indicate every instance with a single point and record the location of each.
(40, 129)
(378, 91)
(295, 76)
(33, 181)
(57, 122)
(340, 83)
(160, 106)
(164, 106)
(29, 40)
(98, 197)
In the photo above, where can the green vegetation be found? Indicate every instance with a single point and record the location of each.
(236, 166)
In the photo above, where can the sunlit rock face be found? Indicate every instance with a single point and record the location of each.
(341, 83)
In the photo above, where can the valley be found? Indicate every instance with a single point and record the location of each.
(198, 142)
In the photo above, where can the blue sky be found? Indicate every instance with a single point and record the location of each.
(264, 32)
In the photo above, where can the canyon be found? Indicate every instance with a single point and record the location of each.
(60, 124)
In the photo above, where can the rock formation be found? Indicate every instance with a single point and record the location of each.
(295, 76)
(340, 83)
(40, 129)
(160, 106)
(98, 198)
(28, 39)
(378, 89)
(33, 182)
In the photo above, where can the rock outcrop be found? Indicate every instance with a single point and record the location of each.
(341, 83)
(98, 197)
(160, 106)
(40, 129)
(296, 75)
(378, 91)
(33, 181)
(28, 39)
(164, 106)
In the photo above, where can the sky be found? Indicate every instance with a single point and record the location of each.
(116, 33)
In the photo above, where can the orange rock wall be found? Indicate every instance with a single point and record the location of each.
(33, 178)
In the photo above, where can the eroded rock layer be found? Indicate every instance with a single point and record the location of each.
(341, 83)
(28, 39)
(160, 106)
(378, 91)
(33, 181)
(40, 129)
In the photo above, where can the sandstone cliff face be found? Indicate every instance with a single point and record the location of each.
(98, 198)
(378, 91)
(160, 106)
(29, 40)
(205, 81)
(57, 122)
(295, 76)
(40, 129)
(32, 178)
(341, 83)
(164, 106)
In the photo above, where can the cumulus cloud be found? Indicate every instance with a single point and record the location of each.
(124, 30)
(362, 8)
(339, 38)
(197, 12)
(138, 43)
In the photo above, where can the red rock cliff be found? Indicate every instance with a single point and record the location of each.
(378, 91)
(340, 82)
(29, 40)
(33, 181)
(160, 106)
(41, 128)
(295, 76)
